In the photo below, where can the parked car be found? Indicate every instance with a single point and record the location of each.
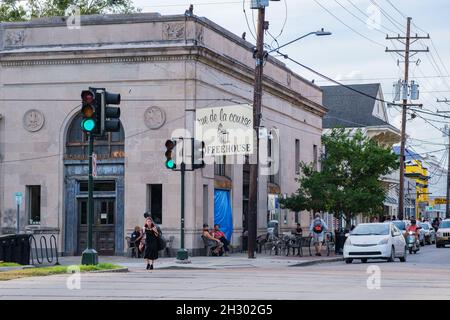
(375, 241)
(443, 234)
(429, 233)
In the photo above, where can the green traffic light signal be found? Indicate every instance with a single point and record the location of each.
(88, 124)
(170, 164)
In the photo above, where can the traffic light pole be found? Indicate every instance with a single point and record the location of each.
(90, 256)
(182, 254)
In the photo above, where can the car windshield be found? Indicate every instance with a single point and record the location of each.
(400, 224)
(371, 229)
(445, 224)
(425, 226)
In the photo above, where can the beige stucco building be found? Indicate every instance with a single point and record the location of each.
(165, 68)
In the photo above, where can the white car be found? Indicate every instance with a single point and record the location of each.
(375, 241)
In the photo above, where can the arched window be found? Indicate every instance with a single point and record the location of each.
(107, 147)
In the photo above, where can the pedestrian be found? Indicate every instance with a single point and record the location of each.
(218, 234)
(318, 228)
(151, 241)
(298, 230)
(435, 224)
(135, 240)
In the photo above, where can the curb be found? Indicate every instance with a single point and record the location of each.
(314, 262)
(119, 270)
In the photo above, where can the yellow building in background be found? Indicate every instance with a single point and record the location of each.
(415, 170)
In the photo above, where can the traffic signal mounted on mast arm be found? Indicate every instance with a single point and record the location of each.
(90, 112)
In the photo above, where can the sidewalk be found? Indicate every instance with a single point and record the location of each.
(235, 260)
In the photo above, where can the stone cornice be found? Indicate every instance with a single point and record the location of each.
(181, 52)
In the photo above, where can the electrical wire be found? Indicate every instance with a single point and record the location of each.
(349, 27)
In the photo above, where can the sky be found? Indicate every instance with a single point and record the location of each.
(355, 52)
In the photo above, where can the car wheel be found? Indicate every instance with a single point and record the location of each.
(403, 259)
(364, 260)
(392, 257)
(348, 261)
(438, 245)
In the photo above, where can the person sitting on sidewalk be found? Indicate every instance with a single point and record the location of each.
(318, 228)
(212, 241)
(218, 234)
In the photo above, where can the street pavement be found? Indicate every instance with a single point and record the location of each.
(425, 275)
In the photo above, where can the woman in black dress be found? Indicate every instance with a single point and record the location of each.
(151, 242)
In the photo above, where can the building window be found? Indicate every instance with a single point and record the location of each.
(219, 166)
(297, 156)
(34, 204)
(107, 147)
(315, 161)
(154, 202)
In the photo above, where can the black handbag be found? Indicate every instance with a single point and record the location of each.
(162, 243)
(160, 240)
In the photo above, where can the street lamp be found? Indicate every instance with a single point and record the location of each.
(318, 33)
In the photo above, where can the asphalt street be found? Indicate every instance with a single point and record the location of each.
(425, 275)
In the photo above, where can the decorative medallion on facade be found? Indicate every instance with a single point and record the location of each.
(154, 118)
(33, 120)
(173, 31)
(15, 38)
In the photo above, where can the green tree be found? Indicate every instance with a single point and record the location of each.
(14, 10)
(348, 183)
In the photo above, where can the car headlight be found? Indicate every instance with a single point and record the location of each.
(384, 241)
(348, 242)
(439, 234)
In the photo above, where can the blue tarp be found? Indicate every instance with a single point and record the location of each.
(222, 212)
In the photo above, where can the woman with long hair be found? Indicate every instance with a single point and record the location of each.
(151, 241)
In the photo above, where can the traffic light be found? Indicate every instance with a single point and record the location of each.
(110, 121)
(170, 154)
(89, 111)
(197, 154)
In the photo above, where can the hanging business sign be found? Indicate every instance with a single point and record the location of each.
(225, 130)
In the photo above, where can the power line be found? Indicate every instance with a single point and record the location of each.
(349, 27)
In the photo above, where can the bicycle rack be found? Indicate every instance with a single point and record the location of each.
(45, 254)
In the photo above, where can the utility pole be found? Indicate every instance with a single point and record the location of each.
(257, 98)
(447, 205)
(406, 54)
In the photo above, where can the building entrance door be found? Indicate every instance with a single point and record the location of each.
(104, 225)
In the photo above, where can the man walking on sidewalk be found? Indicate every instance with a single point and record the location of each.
(318, 228)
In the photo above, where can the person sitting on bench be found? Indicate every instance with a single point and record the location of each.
(215, 243)
(218, 234)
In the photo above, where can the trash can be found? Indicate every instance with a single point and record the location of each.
(6, 248)
(339, 241)
(22, 249)
(15, 248)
